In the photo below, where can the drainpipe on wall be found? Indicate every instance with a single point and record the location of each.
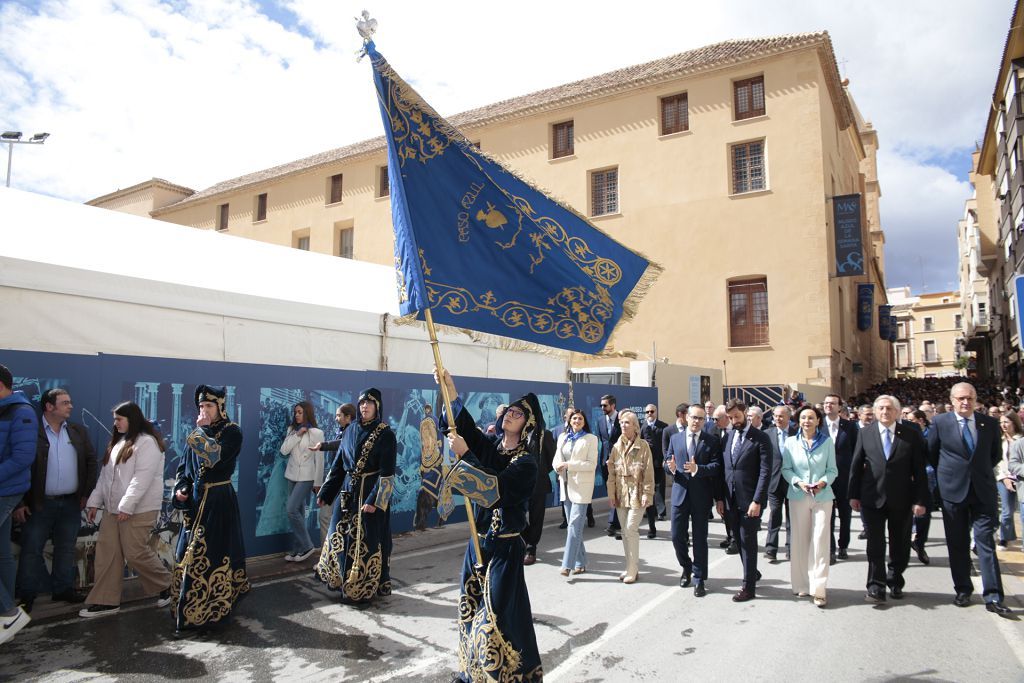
(383, 362)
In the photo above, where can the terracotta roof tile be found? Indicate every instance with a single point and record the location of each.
(702, 59)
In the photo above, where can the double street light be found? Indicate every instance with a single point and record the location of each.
(12, 138)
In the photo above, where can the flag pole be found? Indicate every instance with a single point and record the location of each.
(439, 367)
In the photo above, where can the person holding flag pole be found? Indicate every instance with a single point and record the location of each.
(482, 251)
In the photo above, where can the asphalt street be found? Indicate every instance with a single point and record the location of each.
(591, 628)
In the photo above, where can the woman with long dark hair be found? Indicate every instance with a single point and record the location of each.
(576, 465)
(130, 491)
(305, 475)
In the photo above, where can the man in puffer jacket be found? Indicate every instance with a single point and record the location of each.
(19, 428)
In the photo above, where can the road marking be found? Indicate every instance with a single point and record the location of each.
(568, 666)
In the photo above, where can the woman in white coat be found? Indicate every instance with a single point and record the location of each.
(575, 463)
(305, 475)
(130, 491)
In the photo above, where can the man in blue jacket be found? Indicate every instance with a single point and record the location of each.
(19, 428)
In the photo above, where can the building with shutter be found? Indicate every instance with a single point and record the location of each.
(720, 163)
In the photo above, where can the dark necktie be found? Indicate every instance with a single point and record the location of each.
(966, 431)
(692, 450)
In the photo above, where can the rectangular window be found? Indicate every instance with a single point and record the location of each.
(675, 114)
(562, 140)
(957, 320)
(334, 190)
(901, 356)
(748, 312)
(929, 324)
(345, 239)
(302, 243)
(261, 207)
(748, 98)
(604, 192)
(383, 188)
(748, 167)
(222, 217)
(930, 356)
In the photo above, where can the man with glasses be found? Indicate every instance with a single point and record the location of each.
(608, 432)
(651, 431)
(694, 460)
(964, 447)
(717, 424)
(777, 488)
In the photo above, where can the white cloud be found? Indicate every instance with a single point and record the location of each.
(199, 92)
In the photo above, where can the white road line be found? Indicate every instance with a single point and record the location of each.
(569, 666)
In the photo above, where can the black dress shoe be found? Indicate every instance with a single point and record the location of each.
(590, 522)
(771, 556)
(862, 535)
(618, 535)
(743, 596)
(563, 525)
(922, 555)
(997, 607)
(897, 593)
(831, 559)
(758, 574)
(962, 599)
(699, 591)
(662, 517)
(652, 534)
(685, 579)
(726, 543)
(529, 559)
(26, 604)
(875, 594)
(733, 549)
(842, 554)
(610, 531)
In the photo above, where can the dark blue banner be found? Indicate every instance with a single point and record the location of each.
(885, 320)
(847, 226)
(485, 250)
(260, 399)
(865, 306)
(893, 328)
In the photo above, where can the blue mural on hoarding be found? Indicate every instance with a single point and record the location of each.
(259, 400)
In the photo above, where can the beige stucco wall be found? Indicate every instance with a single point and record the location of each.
(675, 206)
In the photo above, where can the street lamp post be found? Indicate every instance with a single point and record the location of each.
(12, 138)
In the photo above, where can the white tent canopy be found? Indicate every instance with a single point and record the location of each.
(81, 279)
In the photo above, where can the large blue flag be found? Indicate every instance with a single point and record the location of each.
(488, 252)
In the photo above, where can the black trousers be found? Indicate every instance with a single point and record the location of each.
(535, 521)
(959, 519)
(746, 529)
(840, 509)
(897, 520)
(777, 504)
(682, 515)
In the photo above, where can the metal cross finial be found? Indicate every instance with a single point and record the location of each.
(366, 27)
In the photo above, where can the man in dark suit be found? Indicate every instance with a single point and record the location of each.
(651, 431)
(747, 457)
(964, 447)
(678, 426)
(694, 460)
(889, 485)
(777, 501)
(717, 424)
(608, 432)
(844, 438)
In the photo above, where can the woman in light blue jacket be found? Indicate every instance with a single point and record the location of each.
(809, 466)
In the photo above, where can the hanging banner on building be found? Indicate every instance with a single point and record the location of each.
(865, 306)
(1017, 289)
(846, 223)
(885, 322)
(893, 328)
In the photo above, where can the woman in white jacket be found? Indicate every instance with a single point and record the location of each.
(130, 491)
(575, 463)
(305, 475)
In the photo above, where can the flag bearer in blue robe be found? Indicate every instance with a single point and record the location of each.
(209, 576)
(496, 637)
(356, 557)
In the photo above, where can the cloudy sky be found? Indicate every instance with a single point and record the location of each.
(199, 92)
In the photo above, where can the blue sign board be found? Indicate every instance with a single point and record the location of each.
(865, 306)
(846, 223)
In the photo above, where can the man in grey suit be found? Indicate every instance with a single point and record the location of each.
(964, 446)
(777, 502)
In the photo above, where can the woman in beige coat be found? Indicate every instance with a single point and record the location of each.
(575, 463)
(130, 491)
(630, 488)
